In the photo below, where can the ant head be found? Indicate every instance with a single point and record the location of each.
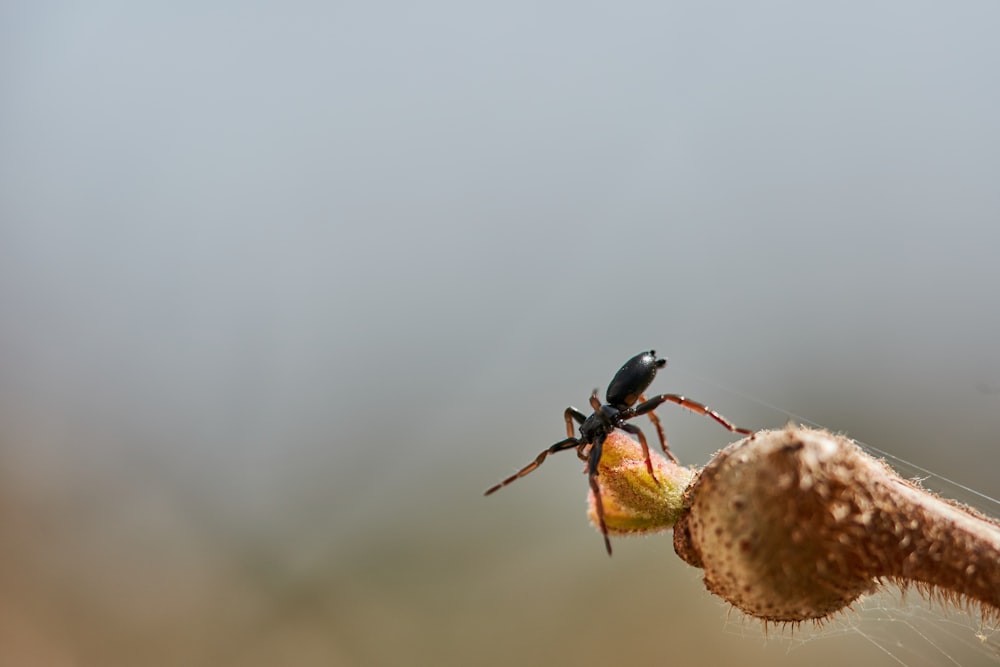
(633, 378)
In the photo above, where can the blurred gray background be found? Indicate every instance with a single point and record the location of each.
(285, 286)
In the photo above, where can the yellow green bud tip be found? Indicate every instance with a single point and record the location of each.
(635, 502)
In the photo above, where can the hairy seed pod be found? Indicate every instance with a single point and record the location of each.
(796, 524)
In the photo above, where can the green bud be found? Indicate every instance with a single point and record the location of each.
(634, 502)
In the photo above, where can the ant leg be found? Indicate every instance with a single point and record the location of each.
(634, 430)
(571, 414)
(592, 470)
(568, 443)
(594, 401)
(687, 403)
(659, 431)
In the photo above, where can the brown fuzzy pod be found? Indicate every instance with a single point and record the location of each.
(796, 524)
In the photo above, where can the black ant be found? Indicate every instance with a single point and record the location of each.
(626, 388)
